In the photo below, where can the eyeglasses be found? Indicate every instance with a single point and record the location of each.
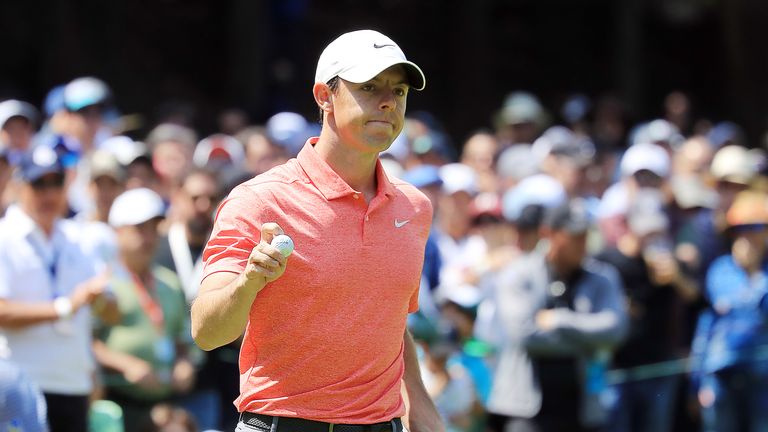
(45, 183)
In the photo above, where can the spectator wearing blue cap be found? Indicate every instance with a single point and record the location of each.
(427, 179)
(48, 292)
(261, 152)
(88, 100)
(79, 127)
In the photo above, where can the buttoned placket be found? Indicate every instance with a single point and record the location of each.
(373, 209)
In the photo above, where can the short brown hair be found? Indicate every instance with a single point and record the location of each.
(333, 84)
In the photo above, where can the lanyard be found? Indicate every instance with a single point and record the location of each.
(51, 266)
(150, 306)
(189, 271)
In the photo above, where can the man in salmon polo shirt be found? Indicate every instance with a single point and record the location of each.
(326, 346)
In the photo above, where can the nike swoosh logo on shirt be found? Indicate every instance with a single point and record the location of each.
(399, 224)
(382, 46)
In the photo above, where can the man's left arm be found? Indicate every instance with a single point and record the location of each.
(606, 326)
(422, 414)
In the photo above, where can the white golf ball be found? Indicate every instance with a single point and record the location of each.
(283, 243)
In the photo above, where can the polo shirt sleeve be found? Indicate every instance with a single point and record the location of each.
(236, 231)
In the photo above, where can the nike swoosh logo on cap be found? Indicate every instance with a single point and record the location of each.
(382, 46)
(399, 224)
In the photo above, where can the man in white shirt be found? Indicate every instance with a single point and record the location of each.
(48, 292)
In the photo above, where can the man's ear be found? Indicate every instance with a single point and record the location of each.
(323, 95)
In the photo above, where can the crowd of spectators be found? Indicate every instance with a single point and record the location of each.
(583, 272)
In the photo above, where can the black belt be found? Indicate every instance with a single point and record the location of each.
(292, 424)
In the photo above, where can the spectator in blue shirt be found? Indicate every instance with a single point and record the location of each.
(732, 335)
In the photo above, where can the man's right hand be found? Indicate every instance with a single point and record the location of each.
(140, 373)
(266, 263)
(90, 290)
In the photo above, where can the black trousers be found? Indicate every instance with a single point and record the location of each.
(67, 413)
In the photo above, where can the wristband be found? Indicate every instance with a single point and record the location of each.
(63, 307)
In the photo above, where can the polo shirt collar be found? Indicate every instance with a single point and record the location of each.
(23, 225)
(328, 181)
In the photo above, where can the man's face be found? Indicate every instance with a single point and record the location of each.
(749, 247)
(370, 115)
(44, 199)
(104, 190)
(727, 192)
(92, 118)
(453, 211)
(197, 200)
(519, 132)
(571, 173)
(138, 240)
(567, 250)
(171, 159)
(17, 133)
(479, 152)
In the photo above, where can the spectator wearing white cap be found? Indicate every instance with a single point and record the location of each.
(18, 122)
(461, 251)
(523, 206)
(48, 292)
(144, 355)
(657, 290)
(643, 165)
(192, 206)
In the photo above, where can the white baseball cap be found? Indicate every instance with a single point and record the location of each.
(538, 189)
(136, 206)
(645, 156)
(84, 92)
(361, 55)
(735, 164)
(15, 108)
(458, 177)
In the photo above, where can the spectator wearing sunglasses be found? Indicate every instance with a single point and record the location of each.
(48, 292)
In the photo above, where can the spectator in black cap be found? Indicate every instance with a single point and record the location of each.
(559, 315)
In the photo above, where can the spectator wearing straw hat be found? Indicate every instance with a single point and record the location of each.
(732, 335)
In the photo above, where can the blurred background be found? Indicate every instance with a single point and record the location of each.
(598, 258)
(259, 56)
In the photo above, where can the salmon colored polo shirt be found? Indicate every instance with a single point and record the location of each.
(325, 341)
